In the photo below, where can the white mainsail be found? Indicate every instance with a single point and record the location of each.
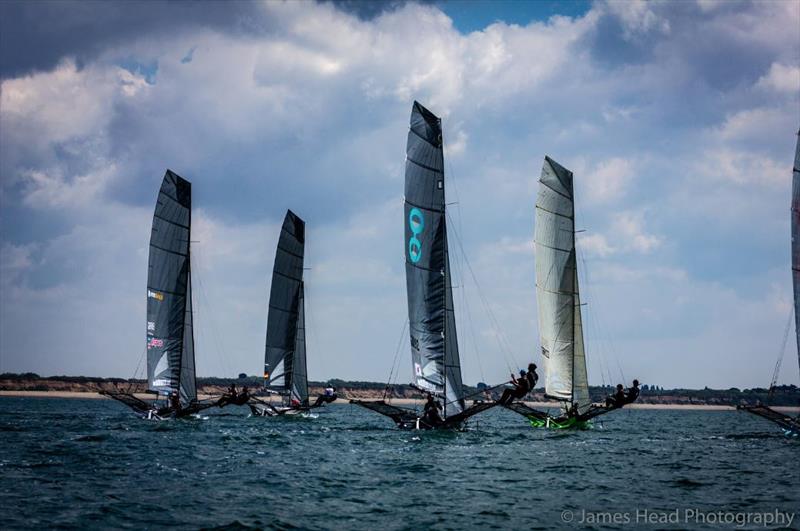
(557, 294)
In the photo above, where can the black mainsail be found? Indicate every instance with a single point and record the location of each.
(170, 334)
(788, 423)
(170, 338)
(434, 344)
(285, 352)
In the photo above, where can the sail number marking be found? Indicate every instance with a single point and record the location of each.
(416, 222)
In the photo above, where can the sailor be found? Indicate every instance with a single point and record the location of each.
(573, 411)
(326, 398)
(532, 377)
(432, 412)
(174, 401)
(633, 393)
(618, 399)
(521, 388)
(242, 398)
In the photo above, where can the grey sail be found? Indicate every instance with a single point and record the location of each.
(796, 241)
(170, 337)
(434, 346)
(283, 371)
(299, 378)
(557, 292)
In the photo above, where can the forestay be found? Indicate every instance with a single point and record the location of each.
(796, 241)
(557, 293)
(285, 353)
(170, 338)
(434, 346)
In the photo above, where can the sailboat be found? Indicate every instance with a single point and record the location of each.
(432, 324)
(559, 304)
(170, 334)
(285, 352)
(791, 425)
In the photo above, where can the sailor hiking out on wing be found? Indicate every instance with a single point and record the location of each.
(633, 393)
(520, 389)
(532, 377)
(326, 398)
(617, 399)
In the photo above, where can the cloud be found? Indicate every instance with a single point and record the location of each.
(675, 149)
(628, 228)
(781, 78)
(609, 179)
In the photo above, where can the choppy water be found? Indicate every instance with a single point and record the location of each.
(90, 464)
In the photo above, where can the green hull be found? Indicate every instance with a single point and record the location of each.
(556, 424)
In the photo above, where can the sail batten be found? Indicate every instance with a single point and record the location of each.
(558, 297)
(285, 349)
(432, 327)
(170, 336)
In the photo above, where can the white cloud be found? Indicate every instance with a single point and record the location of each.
(595, 245)
(628, 228)
(313, 114)
(781, 78)
(742, 168)
(609, 179)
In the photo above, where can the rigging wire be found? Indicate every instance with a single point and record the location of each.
(204, 302)
(460, 272)
(394, 361)
(502, 342)
(781, 354)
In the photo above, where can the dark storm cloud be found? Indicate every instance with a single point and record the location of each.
(35, 36)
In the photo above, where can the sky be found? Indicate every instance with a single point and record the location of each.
(678, 119)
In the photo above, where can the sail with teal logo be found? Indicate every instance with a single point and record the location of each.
(434, 345)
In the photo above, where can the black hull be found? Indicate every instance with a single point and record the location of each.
(408, 419)
(534, 414)
(789, 424)
(149, 410)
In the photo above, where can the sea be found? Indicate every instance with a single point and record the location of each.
(90, 464)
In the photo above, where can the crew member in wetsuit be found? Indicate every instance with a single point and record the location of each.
(519, 391)
(242, 398)
(618, 399)
(229, 397)
(432, 412)
(633, 393)
(532, 377)
(326, 398)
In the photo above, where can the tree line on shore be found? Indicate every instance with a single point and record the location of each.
(781, 395)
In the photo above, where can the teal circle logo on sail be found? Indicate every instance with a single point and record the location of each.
(416, 222)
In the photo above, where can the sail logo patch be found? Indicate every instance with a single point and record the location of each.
(155, 295)
(151, 327)
(155, 343)
(416, 222)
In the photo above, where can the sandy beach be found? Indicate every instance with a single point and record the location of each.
(397, 401)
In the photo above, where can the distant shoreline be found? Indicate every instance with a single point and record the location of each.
(399, 401)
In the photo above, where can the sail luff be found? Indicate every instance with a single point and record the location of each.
(299, 380)
(558, 299)
(795, 221)
(434, 346)
(188, 383)
(284, 305)
(167, 290)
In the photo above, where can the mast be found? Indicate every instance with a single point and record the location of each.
(284, 314)
(170, 338)
(557, 292)
(795, 220)
(434, 345)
